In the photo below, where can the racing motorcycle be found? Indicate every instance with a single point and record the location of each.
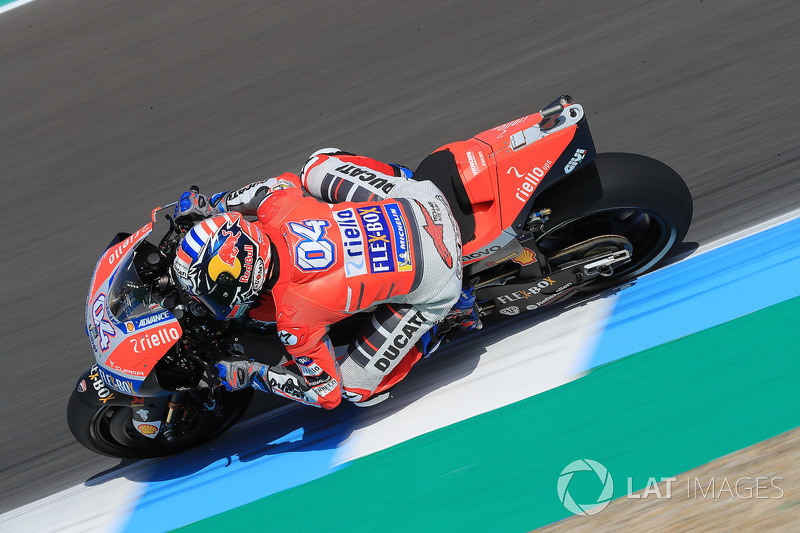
(543, 218)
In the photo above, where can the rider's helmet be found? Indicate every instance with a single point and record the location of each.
(222, 262)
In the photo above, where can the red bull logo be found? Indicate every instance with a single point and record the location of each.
(248, 263)
(226, 259)
(228, 251)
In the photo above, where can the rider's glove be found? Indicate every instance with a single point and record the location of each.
(236, 375)
(196, 206)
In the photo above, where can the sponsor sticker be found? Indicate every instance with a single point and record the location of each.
(513, 310)
(386, 359)
(149, 320)
(367, 177)
(117, 382)
(525, 258)
(149, 430)
(308, 367)
(379, 242)
(103, 394)
(403, 248)
(533, 290)
(149, 340)
(248, 263)
(355, 263)
(530, 180)
(580, 153)
(326, 388)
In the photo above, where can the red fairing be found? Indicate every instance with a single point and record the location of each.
(500, 180)
(126, 347)
(111, 257)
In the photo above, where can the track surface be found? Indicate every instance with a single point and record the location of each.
(111, 108)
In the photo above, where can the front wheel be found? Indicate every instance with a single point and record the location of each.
(629, 195)
(108, 429)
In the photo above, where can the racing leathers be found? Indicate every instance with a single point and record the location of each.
(367, 238)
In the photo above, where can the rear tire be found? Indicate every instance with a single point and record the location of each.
(631, 195)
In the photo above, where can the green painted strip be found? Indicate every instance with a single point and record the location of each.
(655, 414)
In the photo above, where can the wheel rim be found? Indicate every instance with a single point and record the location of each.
(111, 428)
(650, 235)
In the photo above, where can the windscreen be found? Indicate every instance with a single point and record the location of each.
(128, 297)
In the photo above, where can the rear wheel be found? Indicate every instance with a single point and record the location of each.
(626, 195)
(108, 429)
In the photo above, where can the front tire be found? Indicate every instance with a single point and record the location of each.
(108, 430)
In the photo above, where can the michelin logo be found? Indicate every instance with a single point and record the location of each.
(400, 237)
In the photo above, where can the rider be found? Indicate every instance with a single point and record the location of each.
(368, 238)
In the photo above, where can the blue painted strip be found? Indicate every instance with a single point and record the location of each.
(704, 291)
(231, 471)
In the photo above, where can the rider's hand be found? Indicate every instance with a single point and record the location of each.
(194, 205)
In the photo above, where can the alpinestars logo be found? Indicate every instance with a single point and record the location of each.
(436, 231)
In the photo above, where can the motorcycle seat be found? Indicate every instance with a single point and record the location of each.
(440, 168)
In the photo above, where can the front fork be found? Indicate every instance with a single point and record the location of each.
(164, 415)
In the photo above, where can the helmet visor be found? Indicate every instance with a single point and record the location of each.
(220, 300)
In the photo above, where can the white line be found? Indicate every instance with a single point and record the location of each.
(12, 5)
(747, 232)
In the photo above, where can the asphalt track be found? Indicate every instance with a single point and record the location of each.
(111, 108)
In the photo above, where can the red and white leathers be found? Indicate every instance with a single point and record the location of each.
(376, 241)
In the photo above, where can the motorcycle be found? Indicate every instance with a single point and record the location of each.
(543, 219)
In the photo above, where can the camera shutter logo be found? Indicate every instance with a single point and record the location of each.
(590, 508)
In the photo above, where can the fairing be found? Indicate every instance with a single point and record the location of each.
(503, 169)
(128, 330)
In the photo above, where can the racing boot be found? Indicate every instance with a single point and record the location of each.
(466, 311)
(237, 375)
(375, 399)
(464, 315)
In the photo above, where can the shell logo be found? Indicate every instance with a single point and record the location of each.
(147, 429)
(525, 258)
